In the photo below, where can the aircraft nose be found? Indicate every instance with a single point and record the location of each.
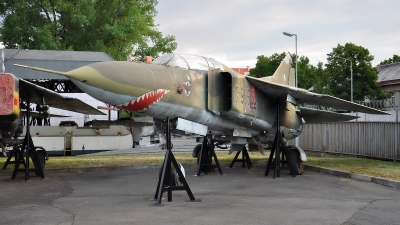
(114, 82)
(106, 75)
(107, 85)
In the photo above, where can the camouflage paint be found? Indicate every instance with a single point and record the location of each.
(161, 91)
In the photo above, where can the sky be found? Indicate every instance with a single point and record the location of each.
(235, 32)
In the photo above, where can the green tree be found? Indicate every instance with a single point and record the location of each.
(307, 74)
(338, 74)
(117, 27)
(266, 66)
(313, 78)
(395, 59)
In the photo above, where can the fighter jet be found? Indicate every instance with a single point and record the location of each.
(206, 97)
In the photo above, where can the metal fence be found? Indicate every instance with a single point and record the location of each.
(371, 139)
(384, 104)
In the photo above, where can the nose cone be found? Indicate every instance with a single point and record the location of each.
(107, 85)
(105, 75)
(114, 82)
(139, 77)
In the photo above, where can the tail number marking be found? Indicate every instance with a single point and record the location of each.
(246, 96)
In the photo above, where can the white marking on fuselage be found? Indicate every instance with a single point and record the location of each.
(287, 59)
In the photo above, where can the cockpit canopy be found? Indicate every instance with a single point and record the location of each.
(188, 62)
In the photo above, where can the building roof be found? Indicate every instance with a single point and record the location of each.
(389, 74)
(56, 55)
(54, 60)
(243, 71)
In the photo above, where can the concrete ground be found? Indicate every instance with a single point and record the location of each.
(240, 196)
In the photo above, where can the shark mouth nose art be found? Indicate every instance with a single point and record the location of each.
(145, 101)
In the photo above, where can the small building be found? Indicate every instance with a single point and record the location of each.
(243, 71)
(389, 79)
(50, 59)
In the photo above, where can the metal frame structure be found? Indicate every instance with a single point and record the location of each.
(207, 147)
(245, 159)
(59, 86)
(168, 186)
(26, 148)
(279, 150)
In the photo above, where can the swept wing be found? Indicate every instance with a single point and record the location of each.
(37, 114)
(320, 116)
(54, 99)
(303, 96)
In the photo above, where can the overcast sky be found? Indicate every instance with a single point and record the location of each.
(235, 32)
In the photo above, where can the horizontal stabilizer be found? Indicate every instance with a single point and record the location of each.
(37, 114)
(36, 94)
(303, 96)
(320, 116)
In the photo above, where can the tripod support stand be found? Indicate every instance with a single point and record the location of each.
(278, 148)
(165, 182)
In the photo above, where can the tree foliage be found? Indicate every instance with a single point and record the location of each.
(395, 59)
(338, 73)
(308, 76)
(334, 78)
(266, 66)
(117, 27)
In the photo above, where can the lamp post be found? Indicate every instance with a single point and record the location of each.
(351, 73)
(290, 35)
(297, 141)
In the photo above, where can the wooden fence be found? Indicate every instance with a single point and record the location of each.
(371, 139)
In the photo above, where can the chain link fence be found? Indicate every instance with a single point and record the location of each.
(384, 105)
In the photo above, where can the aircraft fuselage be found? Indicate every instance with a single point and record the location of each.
(220, 98)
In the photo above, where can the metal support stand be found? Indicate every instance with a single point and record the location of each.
(166, 173)
(245, 159)
(207, 147)
(280, 149)
(16, 143)
(29, 149)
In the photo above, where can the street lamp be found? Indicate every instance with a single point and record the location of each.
(297, 142)
(290, 35)
(351, 72)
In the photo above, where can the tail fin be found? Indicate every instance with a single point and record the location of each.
(285, 74)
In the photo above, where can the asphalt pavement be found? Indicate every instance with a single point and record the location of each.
(125, 195)
(240, 196)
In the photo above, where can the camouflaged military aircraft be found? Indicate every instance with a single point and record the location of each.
(208, 98)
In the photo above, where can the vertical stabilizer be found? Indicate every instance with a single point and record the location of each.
(285, 74)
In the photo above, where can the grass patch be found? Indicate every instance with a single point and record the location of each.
(126, 160)
(370, 167)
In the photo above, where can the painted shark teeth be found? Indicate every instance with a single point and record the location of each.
(145, 101)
